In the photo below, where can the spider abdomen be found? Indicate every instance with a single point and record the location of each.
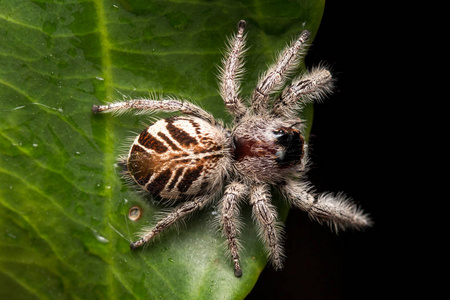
(178, 157)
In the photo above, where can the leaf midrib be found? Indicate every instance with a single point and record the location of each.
(109, 158)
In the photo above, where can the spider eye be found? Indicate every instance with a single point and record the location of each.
(279, 132)
(292, 146)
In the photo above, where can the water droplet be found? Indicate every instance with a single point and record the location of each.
(134, 213)
(99, 78)
(35, 145)
(100, 238)
(171, 260)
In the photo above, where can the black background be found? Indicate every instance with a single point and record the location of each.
(348, 149)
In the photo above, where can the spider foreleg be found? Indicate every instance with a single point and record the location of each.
(336, 210)
(309, 87)
(274, 78)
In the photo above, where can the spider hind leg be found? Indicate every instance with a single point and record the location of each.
(231, 72)
(180, 212)
(229, 221)
(265, 216)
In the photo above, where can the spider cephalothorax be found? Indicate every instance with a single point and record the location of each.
(190, 158)
(267, 149)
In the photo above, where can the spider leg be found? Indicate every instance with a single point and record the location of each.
(229, 220)
(156, 105)
(274, 78)
(177, 214)
(335, 210)
(265, 217)
(309, 87)
(231, 71)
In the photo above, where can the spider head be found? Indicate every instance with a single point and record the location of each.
(266, 149)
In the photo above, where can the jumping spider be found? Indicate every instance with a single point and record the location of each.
(190, 158)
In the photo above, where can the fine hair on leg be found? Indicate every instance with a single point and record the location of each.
(231, 72)
(275, 77)
(177, 214)
(147, 105)
(306, 88)
(265, 217)
(229, 219)
(335, 210)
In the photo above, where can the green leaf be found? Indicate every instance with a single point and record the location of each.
(64, 223)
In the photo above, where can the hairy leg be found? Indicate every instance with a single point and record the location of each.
(147, 105)
(229, 212)
(274, 78)
(231, 72)
(309, 87)
(177, 214)
(265, 217)
(335, 210)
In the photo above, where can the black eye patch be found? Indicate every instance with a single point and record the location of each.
(292, 143)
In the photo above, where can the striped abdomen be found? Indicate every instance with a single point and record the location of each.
(178, 157)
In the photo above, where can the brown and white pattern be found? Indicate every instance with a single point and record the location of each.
(179, 157)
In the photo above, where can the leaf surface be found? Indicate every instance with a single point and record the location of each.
(64, 223)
